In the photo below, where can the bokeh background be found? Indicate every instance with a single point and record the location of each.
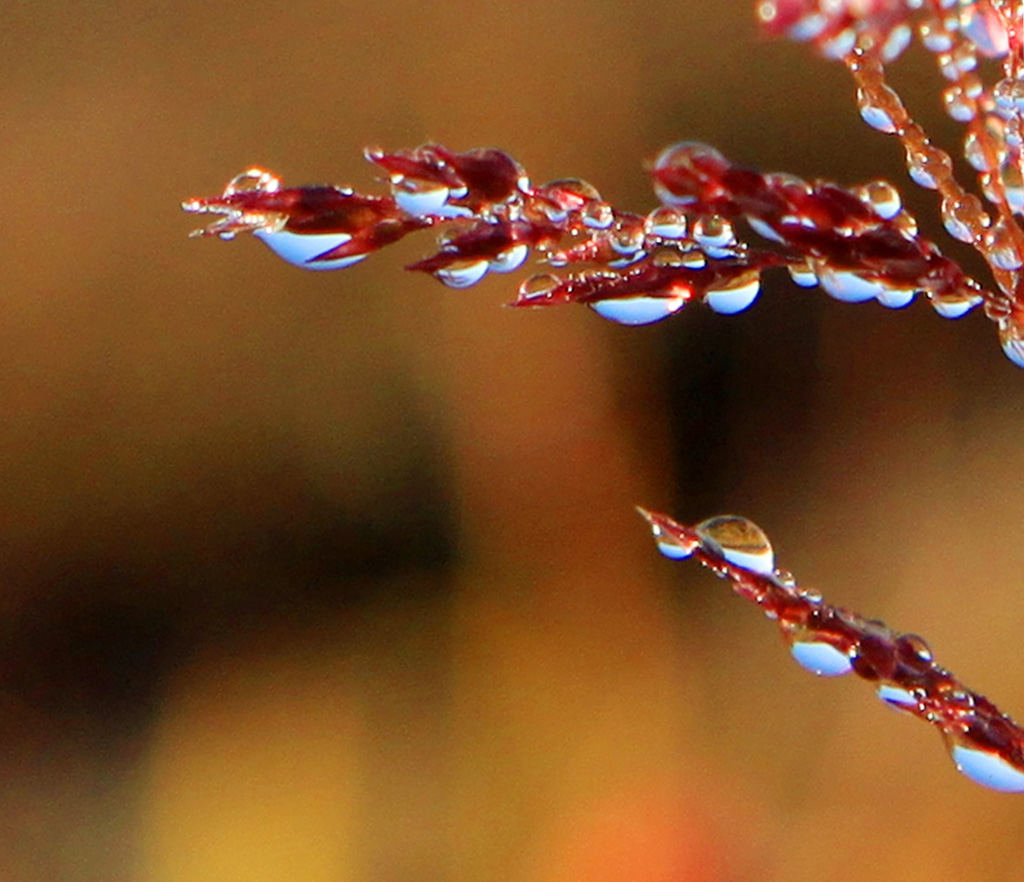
(324, 577)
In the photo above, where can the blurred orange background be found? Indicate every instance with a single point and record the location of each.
(335, 576)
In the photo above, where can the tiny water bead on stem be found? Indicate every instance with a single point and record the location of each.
(985, 744)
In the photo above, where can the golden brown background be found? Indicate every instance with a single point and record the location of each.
(323, 577)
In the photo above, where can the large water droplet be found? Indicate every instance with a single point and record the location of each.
(736, 296)
(510, 259)
(821, 658)
(300, 249)
(638, 310)
(848, 286)
(988, 769)
(740, 542)
(462, 273)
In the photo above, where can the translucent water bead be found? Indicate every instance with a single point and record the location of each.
(641, 310)
(739, 541)
(880, 108)
(986, 767)
(303, 249)
(820, 657)
(736, 296)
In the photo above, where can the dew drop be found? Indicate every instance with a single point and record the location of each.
(510, 259)
(736, 296)
(666, 222)
(877, 108)
(958, 105)
(253, 180)
(597, 215)
(984, 27)
(896, 696)
(714, 234)
(300, 249)
(638, 310)
(821, 658)
(883, 198)
(538, 287)
(739, 541)
(1001, 247)
(896, 298)
(670, 545)
(803, 275)
(1011, 340)
(962, 215)
(419, 197)
(954, 307)
(988, 769)
(927, 164)
(462, 273)
(847, 286)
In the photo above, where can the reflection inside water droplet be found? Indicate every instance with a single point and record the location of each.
(739, 541)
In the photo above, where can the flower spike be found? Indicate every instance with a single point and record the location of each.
(985, 744)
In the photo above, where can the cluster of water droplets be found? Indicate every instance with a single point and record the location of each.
(985, 745)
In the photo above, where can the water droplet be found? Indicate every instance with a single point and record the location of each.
(784, 578)
(897, 41)
(627, 236)
(462, 273)
(739, 541)
(666, 222)
(735, 297)
(958, 104)
(682, 166)
(639, 310)
(879, 108)
(510, 259)
(715, 235)
(597, 215)
(913, 651)
(301, 249)
(895, 297)
(419, 197)
(253, 180)
(896, 696)
(963, 215)
(955, 306)
(821, 658)
(882, 197)
(670, 545)
(538, 287)
(935, 37)
(985, 28)
(988, 769)
(927, 164)
(1011, 339)
(847, 286)
(1001, 246)
(803, 275)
